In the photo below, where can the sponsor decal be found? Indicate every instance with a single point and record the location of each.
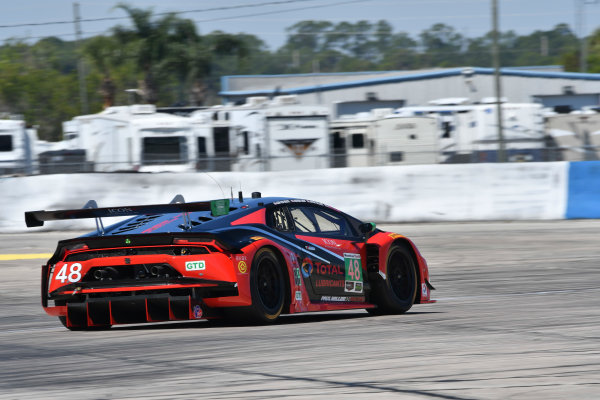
(326, 269)
(255, 238)
(297, 278)
(424, 289)
(335, 298)
(120, 210)
(329, 283)
(197, 311)
(351, 299)
(318, 268)
(395, 235)
(298, 295)
(242, 267)
(354, 276)
(330, 242)
(219, 207)
(241, 258)
(306, 269)
(195, 265)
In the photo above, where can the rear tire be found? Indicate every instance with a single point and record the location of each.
(397, 293)
(267, 287)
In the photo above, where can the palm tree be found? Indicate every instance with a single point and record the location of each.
(171, 47)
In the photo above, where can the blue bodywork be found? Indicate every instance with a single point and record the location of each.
(201, 221)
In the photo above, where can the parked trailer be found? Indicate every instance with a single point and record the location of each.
(264, 135)
(470, 134)
(380, 137)
(133, 138)
(17, 147)
(577, 134)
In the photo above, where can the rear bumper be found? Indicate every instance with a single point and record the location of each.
(89, 307)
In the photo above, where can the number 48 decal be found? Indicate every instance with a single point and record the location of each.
(353, 267)
(74, 274)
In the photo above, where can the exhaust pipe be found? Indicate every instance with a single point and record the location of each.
(100, 274)
(158, 270)
(106, 273)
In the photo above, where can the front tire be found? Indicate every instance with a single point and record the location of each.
(397, 293)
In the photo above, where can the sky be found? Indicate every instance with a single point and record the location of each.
(268, 19)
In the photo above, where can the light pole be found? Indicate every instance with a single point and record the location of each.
(497, 86)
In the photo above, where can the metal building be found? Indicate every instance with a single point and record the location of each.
(349, 93)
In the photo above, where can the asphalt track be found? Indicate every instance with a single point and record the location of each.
(518, 317)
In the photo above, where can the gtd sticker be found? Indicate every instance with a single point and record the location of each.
(298, 295)
(242, 267)
(424, 289)
(195, 265)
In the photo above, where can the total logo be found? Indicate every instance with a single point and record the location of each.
(195, 265)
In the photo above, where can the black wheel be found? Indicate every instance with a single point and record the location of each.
(63, 320)
(267, 287)
(396, 294)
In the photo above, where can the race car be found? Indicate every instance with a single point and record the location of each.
(244, 259)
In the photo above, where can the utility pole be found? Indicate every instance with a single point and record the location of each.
(497, 86)
(580, 29)
(80, 66)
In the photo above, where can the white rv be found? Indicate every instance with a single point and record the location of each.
(379, 137)
(133, 138)
(216, 138)
(577, 134)
(264, 135)
(17, 147)
(470, 134)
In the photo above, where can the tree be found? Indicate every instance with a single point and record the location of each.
(594, 52)
(442, 46)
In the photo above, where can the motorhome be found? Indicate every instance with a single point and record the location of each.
(263, 135)
(576, 134)
(470, 131)
(380, 137)
(17, 147)
(132, 138)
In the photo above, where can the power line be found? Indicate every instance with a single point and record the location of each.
(282, 11)
(223, 8)
(195, 21)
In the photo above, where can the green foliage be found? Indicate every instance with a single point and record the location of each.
(169, 63)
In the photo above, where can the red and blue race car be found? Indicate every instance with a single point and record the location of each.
(251, 259)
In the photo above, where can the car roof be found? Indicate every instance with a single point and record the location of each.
(200, 221)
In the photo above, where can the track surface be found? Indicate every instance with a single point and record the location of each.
(518, 317)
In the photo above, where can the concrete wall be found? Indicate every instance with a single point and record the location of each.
(528, 191)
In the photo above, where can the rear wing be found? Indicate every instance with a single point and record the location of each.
(91, 210)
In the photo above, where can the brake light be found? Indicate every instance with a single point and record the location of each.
(77, 246)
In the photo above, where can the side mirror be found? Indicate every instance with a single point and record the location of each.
(367, 227)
